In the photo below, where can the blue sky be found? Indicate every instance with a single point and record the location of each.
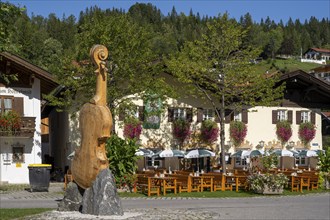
(275, 9)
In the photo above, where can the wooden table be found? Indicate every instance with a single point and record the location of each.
(230, 180)
(166, 183)
(202, 182)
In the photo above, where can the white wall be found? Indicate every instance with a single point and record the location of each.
(259, 127)
(19, 172)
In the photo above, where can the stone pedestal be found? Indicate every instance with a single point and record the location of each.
(72, 199)
(100, 199)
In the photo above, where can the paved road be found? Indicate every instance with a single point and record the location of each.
(305, 207)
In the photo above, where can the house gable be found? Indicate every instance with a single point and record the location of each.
(305, 90)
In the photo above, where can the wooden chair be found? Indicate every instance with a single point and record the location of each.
(218, 182)
(295, 183)
(67, 178)
(304, 182)
(146, 185)
(206, 183)
(314, 181)
(182, 182)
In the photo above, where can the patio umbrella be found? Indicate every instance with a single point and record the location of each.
(307, 153)
(198, 153)
(284, 152)
(256, 153)
(144, 152)
(241, 153)
(169, 153)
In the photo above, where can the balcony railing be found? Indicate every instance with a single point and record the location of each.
(27, 129)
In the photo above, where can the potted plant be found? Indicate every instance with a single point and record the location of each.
(237, 131)
(181, 130)
(132, 128)
(283, 131)
(268, 183)
(306, 133)
(209, 131)
(10, 123)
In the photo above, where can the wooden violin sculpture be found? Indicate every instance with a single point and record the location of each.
(95, 122)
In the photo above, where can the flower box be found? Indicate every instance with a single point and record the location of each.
(270, 190)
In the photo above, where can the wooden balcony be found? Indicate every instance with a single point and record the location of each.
(26, 131)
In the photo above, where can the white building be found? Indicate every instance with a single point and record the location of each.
(23, 96)
(304, 99)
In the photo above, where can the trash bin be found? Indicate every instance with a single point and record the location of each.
(39, 176)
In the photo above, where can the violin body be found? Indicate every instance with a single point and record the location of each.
(95, 122)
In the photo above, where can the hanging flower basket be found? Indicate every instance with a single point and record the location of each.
(237, 131)
(181, 130)
(132, 128)
(306, 133)
(283, 131)
(209, 132)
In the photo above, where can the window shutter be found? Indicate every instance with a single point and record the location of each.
(189, 114)
(290, 117)
(170, 113)
(18, 105)
(245, 116)
(199, 115)
(298, 117)
(141, 113)
(274, 116)
(228, 115)
(313, 117)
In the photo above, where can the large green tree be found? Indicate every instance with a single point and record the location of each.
(133, 67)
(219, 68)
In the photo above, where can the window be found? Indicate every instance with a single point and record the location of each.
(208, 114)
(301, 161)
(241, 161)
(237, 116)
(132, 111)
(179, 113)
(305, 116)
(6, 104)
(18, 153)
(156, 162)
(282, 115)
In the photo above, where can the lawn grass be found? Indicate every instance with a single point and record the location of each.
(13, 187)
(20, 213)
(283, 65)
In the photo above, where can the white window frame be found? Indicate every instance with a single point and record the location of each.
(3, 108)
(179, 113)
(305, 116)
(282, 115)
(133, 112)
(208, 114)
(237, 116)
(301, 161)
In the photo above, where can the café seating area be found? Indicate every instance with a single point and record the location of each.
(161, 182)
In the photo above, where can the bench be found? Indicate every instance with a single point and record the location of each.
(146, 184)
(182, 182)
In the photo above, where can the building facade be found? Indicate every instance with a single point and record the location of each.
(22, 146)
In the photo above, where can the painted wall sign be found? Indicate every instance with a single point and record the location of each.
(12, 91)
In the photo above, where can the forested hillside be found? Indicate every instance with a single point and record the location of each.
(45, 40)
(143, 36)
